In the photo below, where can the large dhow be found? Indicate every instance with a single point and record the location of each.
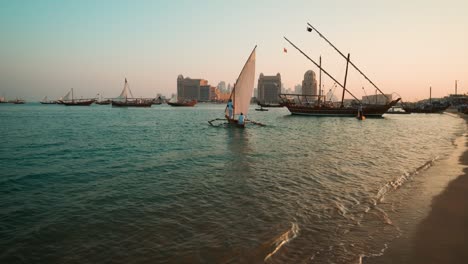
(317, 105)
(239, 102)
(426, 107)
(125, 101)
(69, 100)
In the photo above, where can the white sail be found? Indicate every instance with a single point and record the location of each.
(126, 92)
(243, 89)
(45, 99)
(173, 99)
(67, 96)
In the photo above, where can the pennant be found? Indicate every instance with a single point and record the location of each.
(285, 50)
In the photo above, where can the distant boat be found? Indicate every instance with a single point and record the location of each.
(3, 100)
(261, 109)
(393, 110)
(17, 101)
(241, 95)
(69, 100)
(264, 104)
(47, 101)
(175, 102)
(157, 101)
(427, 107)
(317, 105)
(103, 101)
(125, 101)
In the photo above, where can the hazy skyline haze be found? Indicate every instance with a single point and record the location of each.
(49, 47)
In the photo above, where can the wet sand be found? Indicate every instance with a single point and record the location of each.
(442, 237)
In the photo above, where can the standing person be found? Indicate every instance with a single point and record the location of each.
(230, 108)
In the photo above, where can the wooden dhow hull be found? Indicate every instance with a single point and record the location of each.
(191, 103)
(368, 110)
(432, 110)
(78, 102)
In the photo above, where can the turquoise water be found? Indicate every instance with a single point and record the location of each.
(159, 185)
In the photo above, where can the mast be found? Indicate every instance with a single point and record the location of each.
(350, 62)
(232, 96)
(72, 94)
(430, 94)
(320, 79)
(345, 78)
(455, 87)
(321, 68)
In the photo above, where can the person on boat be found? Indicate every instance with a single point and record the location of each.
(240, 121)
(230, 108)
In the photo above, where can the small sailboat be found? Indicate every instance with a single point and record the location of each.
(103, 101)
(3, 100)
(125, 101)
(47, 101)
(241, 95)
(17, 101)
(157, 101)
(75, 102)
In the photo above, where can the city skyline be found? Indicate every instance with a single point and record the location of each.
(50, 47)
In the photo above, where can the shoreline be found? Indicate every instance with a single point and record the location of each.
(442, 235)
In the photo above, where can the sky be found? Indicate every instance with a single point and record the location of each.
(404, 47)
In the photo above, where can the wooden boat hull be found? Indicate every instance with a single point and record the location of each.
(191, 103)
(235, 123)
(368, 110)
(79, 103)
(131, 104)
(270, 105)
(106, 102)
(433, 110)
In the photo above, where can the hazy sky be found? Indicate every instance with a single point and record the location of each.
(48, 47)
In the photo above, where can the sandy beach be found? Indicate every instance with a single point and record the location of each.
(441, 236)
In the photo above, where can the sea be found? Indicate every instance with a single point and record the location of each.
(100, 184)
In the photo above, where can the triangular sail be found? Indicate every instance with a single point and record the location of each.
(126, 92)
(67, 96)
(45, 99)
(243, 89)
(173, 99)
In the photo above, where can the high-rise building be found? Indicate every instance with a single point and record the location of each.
(309, 84)
(269, 87)
(189, 89)
(298, 89)
(222, 86)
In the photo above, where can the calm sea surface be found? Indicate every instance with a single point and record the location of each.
(159, 185)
